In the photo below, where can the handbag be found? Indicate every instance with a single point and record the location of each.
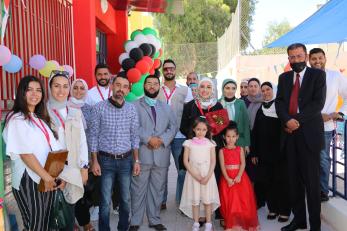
(218, 120)
(61, 213)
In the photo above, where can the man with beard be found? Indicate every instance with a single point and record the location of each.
(299, 102)
(157, 129)
(175, 95)
(336, 86)
(102, 90)
(114, 144)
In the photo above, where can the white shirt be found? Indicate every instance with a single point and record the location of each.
(94, 96)
(336, 86)
(22, 136)
(188, 98)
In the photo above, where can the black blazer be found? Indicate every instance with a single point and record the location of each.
(311, 102)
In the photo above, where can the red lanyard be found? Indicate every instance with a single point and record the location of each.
(101, 95)
(59, 117)
(168, 97)
(43, 129)
(200, 109)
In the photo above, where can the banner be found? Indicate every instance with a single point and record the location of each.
(4, 8)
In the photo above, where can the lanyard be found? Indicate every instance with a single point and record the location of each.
(200, 109)
(101, 95)
(42, 127)
(168, 97)
(59, 117)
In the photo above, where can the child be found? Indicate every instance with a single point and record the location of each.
(200, 190)
(238, 205)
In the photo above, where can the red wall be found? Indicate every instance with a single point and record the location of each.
(87, 18)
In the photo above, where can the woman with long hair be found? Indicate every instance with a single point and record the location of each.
(29, 138)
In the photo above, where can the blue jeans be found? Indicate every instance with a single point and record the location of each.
(325, 163)
(176, 149)
(111, 170)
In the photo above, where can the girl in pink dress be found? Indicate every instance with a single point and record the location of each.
(200, 191)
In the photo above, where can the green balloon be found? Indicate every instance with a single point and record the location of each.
(156, 55)
(130, 97)
(149, 30)
(143, 77)
(135, 32)
(137, 89)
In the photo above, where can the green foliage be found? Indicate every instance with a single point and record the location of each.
(275, 30)
(246, 21)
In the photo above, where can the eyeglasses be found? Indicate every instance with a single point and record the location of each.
(55, 73)
(152, 84)
(169, 68)
(293, 57)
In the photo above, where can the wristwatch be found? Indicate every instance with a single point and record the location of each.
(86, 166)
(137, 161)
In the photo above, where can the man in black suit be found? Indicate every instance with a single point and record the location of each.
(299, 102)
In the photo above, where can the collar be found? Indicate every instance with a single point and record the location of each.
(115, 103)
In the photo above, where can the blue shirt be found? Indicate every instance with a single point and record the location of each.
(113, 130)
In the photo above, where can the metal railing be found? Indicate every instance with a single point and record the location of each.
(339, 162)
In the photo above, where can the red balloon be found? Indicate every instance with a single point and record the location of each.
(134, 75)
(148, 59)
(152, 71)
(156, 63)
(143, 66)
(160, 52)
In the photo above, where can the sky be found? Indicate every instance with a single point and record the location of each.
(295, 11)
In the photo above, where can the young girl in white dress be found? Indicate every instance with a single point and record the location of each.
(200, 190)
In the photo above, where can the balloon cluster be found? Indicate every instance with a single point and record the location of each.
(38, 62)
(9, 62)
(141, 58)
(12, 63)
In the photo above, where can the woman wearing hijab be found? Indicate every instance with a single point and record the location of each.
(271, 183)
(204, 102)
(29, 138)
(237, 112)
(68, 124)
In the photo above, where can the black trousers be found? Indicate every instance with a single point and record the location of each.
(304, 176)
(272, 186)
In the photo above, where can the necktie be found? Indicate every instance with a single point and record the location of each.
(154, 114)
(294, 97)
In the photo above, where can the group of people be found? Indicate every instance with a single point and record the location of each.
(274, 150)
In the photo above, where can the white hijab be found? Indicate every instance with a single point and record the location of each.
(210, 101)
(78, 103)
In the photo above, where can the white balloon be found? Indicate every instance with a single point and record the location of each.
(131, 45)
(151, 39)
(157, 45)
(122, 57)
(140, 38)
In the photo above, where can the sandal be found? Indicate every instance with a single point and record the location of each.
(88, 227)
(282, 218)
(272, 216)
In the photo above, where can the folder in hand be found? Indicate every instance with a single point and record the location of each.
(54, 165)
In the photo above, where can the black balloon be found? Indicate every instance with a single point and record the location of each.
(153, 50)
(128, 63)
(136, 54)
(157, 73)
(122, 74)
(146, 48)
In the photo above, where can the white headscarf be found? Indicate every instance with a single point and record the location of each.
(53, 103)
(212, 100)
(77, 103)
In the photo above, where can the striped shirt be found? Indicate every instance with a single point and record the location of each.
(113, 130)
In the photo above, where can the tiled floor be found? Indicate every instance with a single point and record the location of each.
(174, 221)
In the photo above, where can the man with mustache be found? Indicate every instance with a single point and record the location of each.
(157, 129)
(114, 143)
(299, 102)
(175, 95)
(336, 86)
(102, 90)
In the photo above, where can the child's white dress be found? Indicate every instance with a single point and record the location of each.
(195, 193)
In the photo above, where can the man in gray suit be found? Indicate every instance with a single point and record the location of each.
(158, 127)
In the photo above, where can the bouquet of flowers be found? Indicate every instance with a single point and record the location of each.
(218, 120)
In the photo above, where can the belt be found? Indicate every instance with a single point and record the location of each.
(115, 156)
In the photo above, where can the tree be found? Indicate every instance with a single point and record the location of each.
(190, 39)
(275, 30)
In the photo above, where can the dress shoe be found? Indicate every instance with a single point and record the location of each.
(134, 227)
(324, 197)
(271, 216)
(158, 227)
(294, 226)
(163, 206)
